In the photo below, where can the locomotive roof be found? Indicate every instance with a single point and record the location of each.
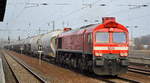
(88, 26)
(91, 26)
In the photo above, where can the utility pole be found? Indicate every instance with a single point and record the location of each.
(19, 38)
(53, 22)
(39, 30)
(48, 24)
(29, 29)
(132, 38)
(8, 40)
(63, 24)
(67, 24)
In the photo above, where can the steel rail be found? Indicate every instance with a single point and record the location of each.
(140, 71)
(139, 58)
(4, 58)
(128, 80)
(136, 60)
(41, 79)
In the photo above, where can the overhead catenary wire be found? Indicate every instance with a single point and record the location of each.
(61, 18)
(119, 12)
(73, 12)
(14, 17)
(76, 11)
(112, 13)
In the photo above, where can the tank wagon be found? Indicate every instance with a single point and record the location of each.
(36, 44)
(99, 48)
(48, 43)
(27, 46)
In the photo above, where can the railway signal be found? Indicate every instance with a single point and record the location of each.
(40, 53)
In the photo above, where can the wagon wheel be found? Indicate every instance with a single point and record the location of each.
(57, 59)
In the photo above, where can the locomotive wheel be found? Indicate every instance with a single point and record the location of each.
(60, 59)
(80, 65)
(71, 61)
(70, 65)
(56, 59)
(90, 66)
(75, 63)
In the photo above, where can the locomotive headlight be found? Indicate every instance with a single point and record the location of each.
(98, 54)
(123, 54)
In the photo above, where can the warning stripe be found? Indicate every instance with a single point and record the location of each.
(112, 48)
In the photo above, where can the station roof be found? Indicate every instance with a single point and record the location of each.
(2, 9)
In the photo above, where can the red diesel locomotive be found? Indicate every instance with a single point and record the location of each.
(101, 48)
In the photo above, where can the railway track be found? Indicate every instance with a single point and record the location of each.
(127, 80)
(140, 71)
(21, 72)
(141, 61)
(105, 79)
(112, 79)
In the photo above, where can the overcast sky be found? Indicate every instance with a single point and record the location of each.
(25, 17)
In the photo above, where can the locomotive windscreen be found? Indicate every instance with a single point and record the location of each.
(119, 37)
(102, 37)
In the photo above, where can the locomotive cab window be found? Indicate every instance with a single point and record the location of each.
(89, 38)
(102, 37)
(119, 37)
(59, 43)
